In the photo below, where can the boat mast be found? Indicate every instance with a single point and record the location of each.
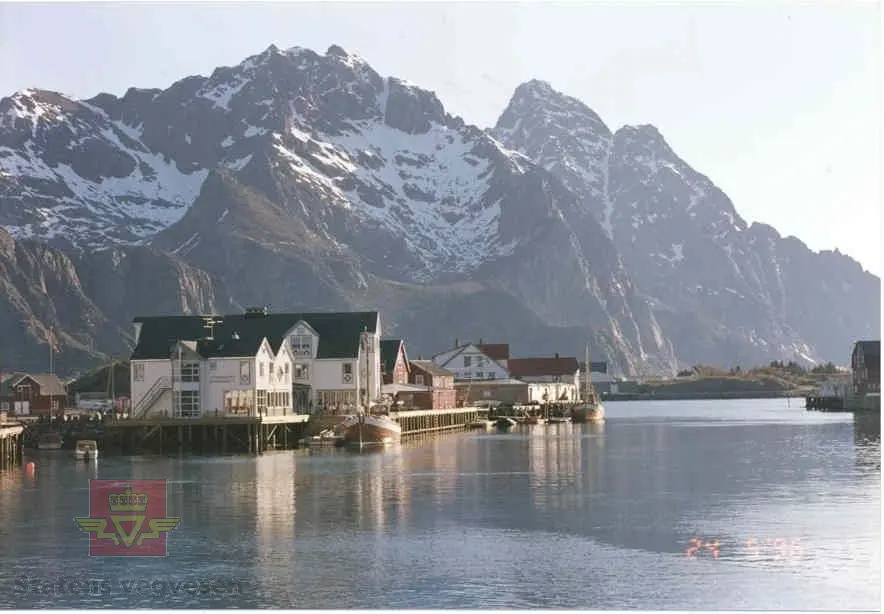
(586, 383)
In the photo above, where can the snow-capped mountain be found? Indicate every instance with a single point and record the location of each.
(306, 180)
(339, 188)
(686, 246)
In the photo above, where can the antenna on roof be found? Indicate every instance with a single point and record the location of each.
(210, 322)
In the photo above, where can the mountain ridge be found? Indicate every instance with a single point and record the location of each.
(298, 178)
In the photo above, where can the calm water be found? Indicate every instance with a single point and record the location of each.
(568, 516)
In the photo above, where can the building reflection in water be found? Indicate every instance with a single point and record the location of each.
(867, 440)
(275, 478)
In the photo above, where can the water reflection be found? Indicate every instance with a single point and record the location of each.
(478, 520)
(867, 440)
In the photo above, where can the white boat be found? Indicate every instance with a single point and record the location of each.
(87, 449)
(364, 429)
(505, 422)
(590, 409)
(482, 424)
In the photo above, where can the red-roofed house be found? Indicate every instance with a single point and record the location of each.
(470, 362)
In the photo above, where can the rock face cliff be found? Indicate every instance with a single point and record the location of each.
(84, 303)
(309, 181)
(718, 286)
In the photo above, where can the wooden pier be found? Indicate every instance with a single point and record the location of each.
(824, 403)
(205, 434)
(849, 404)
(435, 420)
(10, 444)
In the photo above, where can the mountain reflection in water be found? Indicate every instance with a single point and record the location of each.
(558, 516)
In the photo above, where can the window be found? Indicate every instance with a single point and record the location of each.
(244, 373)
(188, 371)
(187, 403)
(302, 345)
(481, 361)
(419, 380)
(138, 372)
(260, 369)
(261, 402)
(302, 372)
(347, 372)
(213, 365)
(238, 401)
(286, 368)
(467, 361)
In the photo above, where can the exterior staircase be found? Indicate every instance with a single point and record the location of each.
(153, 395)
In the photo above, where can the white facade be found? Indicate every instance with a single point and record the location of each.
(189, 385)
(469, 363)
(337, 383)
(552, 392)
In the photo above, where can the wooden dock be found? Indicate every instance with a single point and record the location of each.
(848, 404)
(205, 434)
(824, 403)
(10, 444)
(420, 421)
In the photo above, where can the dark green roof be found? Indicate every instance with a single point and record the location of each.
(242, 334)
(389, 351)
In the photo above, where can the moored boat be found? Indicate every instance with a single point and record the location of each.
(505, 422)
(590, 409)
(50, 441)
(559, 419)
(87, 449)
(364, 429)
(532, 420)
(482, 424)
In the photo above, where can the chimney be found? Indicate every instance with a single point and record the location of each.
(557, 355)
(481, 341)
(456, 342)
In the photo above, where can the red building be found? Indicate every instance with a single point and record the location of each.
(394, 361)
(440, 393)
(35, 394)
(866, 365)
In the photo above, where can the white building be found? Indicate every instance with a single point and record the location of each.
(552, 379)
(475, 361)
(255, 363)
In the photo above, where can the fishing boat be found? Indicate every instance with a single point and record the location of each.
(559, 419)
(50, 441)
(590, 409)
(482, 424)
(505, 422)
(365, 429)
(87, 449)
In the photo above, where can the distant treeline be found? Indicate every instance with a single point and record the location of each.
(777, 366)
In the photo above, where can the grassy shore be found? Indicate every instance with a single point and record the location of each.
(771, 381)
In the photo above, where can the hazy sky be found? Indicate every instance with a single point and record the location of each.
(778, 103)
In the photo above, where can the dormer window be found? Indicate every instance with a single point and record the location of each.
(302, 345)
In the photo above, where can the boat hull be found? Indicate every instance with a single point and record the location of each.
(372, 431)
(594, 413)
